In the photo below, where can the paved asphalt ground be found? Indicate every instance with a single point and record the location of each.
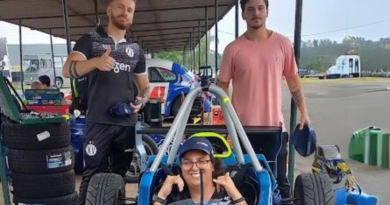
(337, 108)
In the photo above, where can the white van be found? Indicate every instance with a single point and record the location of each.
(5, 66)
(41, 64)
(347, 66)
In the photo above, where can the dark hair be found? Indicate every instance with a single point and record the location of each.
(45, 80)
(244, 2)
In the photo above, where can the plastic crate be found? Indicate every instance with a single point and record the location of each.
(365, 146)
(42, 94)
(56, 109)
(386, 151)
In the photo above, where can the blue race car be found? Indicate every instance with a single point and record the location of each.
(170, 82)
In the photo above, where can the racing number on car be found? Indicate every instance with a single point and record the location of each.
(158, 92)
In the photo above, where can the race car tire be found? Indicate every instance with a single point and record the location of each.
(314, 189)
(38, 186)
(25, 137)
(150, 145)
(70, 199)
(58, 82)
(106, 189)
(41, 161)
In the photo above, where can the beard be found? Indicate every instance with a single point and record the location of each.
(117, 23)
(255, 27)
(256, 24)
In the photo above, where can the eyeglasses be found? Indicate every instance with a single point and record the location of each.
(201, 164)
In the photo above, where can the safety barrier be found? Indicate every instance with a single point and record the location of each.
(370, 146)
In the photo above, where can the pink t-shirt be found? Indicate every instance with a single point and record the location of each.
(257, 70)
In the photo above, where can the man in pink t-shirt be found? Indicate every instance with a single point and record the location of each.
(256, 62)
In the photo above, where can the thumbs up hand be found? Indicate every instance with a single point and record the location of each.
(105, 62)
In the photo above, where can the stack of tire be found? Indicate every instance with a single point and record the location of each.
(40, 160)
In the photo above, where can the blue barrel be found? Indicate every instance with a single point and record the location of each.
(357, 198)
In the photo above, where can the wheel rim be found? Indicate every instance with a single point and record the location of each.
(58, 83)
(134, 166)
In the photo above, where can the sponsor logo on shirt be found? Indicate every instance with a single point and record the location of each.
(122, 67)
(129, 51)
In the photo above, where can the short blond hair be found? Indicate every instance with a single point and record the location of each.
(36, 85)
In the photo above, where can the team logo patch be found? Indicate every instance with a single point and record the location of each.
(91, 150)
(129, 51)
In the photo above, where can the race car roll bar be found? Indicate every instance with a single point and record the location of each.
(233, 124)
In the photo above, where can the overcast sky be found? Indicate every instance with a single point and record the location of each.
(332, 19)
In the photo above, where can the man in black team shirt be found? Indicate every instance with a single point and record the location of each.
(110, 64)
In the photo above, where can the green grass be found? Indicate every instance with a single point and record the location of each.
(17, 85)
(344, 80)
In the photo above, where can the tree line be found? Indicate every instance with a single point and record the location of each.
(315, 54)
(321, 54)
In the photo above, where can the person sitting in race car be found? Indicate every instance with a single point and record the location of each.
(196, 156)
(36, 85)
(46, 82)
